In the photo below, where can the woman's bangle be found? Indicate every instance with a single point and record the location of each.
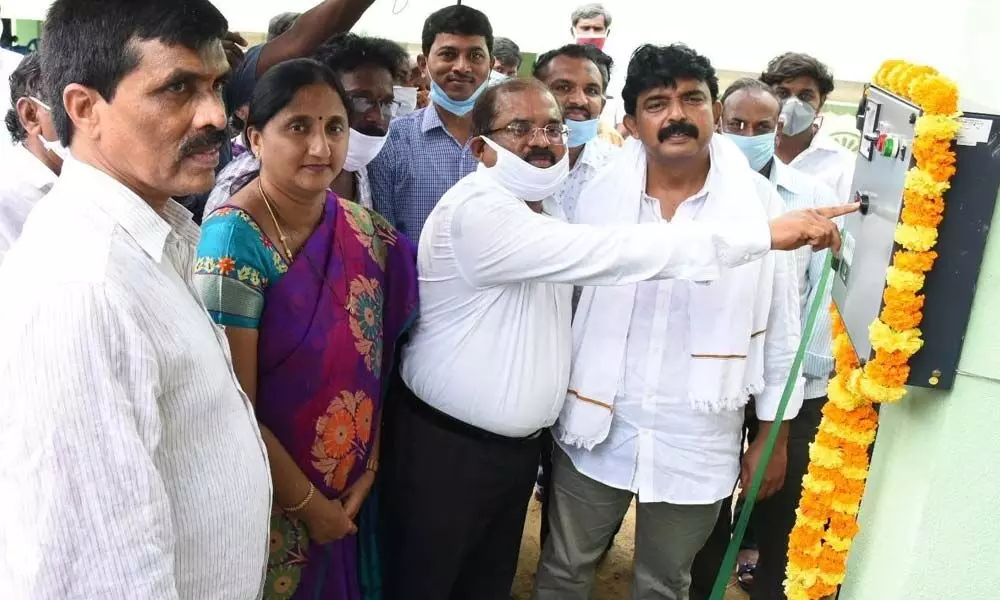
(372, 464)
(305, 501)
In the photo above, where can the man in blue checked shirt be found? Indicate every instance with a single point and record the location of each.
(428, 150)
(750, 117)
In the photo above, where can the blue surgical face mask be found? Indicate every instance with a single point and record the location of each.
(459, 108)
(759, 149)
(581, 132)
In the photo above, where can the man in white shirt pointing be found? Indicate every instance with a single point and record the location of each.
(130, 460)
(488, 364)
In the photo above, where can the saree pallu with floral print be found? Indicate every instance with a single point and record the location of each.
(327, 337)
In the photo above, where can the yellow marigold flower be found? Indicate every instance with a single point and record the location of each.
(922, 183)
(881, 393)
(904, 280)
(916, 237)
(884, 338)
(942, 127)
(883, 71)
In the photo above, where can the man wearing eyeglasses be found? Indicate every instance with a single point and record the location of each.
(487, 366)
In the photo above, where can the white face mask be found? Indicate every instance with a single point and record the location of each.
(361, 149)
(523, 179)
(54, 147)
(406, 100)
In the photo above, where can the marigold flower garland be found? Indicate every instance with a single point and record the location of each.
(826, 519)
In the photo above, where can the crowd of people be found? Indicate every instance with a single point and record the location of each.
(313, 319)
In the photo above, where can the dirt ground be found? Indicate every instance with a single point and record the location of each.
(613, 577)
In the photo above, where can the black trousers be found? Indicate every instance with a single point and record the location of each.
(772, 518)
(453, 500)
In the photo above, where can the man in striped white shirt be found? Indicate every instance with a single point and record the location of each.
(131, 462)
(750, 117)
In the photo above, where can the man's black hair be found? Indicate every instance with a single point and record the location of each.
(584, 51)
(485, 109)
(456, 20)
(346, 52)
(656, 66)
(750, 84)
(91, 42)
(796, 64)
(26, 80)
(507, 52)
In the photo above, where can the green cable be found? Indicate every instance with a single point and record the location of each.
(722, 579)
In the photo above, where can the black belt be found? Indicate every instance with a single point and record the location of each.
(450, 423)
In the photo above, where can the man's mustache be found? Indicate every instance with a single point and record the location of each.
(537, 153)
(460, 77)
(582, 109)
(678, 128)
(203, 142)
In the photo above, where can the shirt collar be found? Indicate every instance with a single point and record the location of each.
(430, 119)
(149, 229)
(786, 177)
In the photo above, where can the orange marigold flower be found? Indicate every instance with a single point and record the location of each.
(886, 374)
(903, 300)
(805, 537)
(918, 262)
(917, 217)
(935, 94)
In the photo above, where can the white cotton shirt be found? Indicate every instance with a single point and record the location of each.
(131, 463)
(596, 153)
(25, 180)
(659, 447)
(829, 162)
(492, 345)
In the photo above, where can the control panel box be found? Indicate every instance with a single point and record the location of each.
(887, 130)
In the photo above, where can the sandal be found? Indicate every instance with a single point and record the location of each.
(744, 575)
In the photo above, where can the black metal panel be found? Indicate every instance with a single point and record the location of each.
(951, 284)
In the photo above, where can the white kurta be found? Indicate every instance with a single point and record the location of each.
(131, 462)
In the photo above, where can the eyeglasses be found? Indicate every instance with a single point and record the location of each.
(554, 134)
(363, 104)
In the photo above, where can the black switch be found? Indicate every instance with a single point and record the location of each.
(864, 200)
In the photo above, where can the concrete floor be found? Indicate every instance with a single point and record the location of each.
(613, 577)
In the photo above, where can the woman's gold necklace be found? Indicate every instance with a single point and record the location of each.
(281, 234)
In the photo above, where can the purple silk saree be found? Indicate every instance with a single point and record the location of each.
(327, 337)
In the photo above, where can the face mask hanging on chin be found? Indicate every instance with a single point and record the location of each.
(362, 149)
(459, 108)
(523, 179)
(581, 132)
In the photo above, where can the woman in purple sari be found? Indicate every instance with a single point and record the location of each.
(314, 292)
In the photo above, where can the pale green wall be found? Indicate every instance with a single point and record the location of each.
(930, 521)
(26, 30)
